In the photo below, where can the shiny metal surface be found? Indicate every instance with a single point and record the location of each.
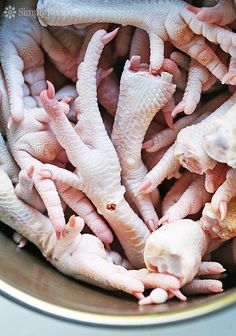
(27, 278)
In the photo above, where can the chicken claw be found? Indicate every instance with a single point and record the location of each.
(142, 95)
(91, 152)
(162, 20)
(82, 257)
(221, 14)
(205, 286)
(220, 225)
(190, 202)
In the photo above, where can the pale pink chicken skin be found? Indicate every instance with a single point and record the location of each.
(209, 268)
(178, 79)
(196, 286)
(167, 113)
(206, 286)
(26, 192)
(95, 153)
(69, 37)
(26, 154)
(198, 79)
(176, 191)
(91, 29)
(191, 154)
(182, 79)
(198, 76)
(181, 256)
(150, 160)
(191, 201)
(165, 168)
(183, 62)
(215, 177)
(221, 14)
(77, 201)
(108, 88)
(219, 140)
(33, 143)
(24, 62)
(69, 92)
(19, 239)
(73, 197)
(219, 203)
(167, 137)
(170, 67)
(220, 224)
(81, 256)
(142, 95)
(163, 20)
(81, 205)
(230, 76)
(188, 153)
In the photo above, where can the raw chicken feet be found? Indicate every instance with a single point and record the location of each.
(92, 153)
(163, 20)
(142, 95)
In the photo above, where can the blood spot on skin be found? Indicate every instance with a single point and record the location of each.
(111, 207)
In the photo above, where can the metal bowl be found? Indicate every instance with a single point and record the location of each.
(30, 280)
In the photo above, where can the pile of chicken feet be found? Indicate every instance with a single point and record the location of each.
(101, 103)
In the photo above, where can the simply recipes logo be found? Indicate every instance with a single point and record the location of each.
(10, 12)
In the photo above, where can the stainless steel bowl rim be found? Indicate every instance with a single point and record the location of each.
(116, 320)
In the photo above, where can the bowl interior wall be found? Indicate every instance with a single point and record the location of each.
(26, 270)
